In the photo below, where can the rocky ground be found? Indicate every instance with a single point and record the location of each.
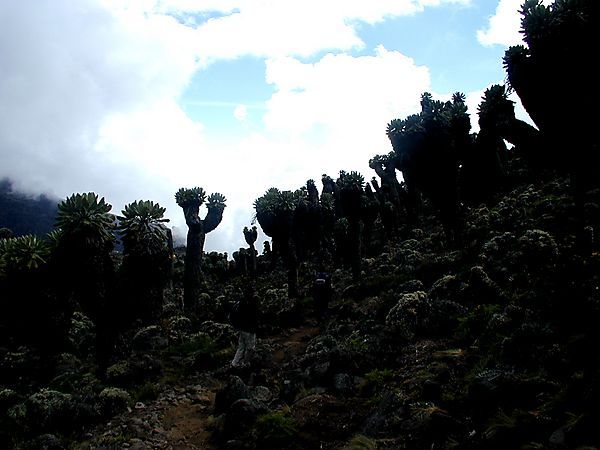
(491, 344)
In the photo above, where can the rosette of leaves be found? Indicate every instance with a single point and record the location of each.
(23, 254)
(328, 184)
(460, 122)
(404, 136)
(142, 230)
(495, 107)
(190, 197)
(82, 244)
(562, 42)
(216, 201)
(86, 219)
(190, 201)
(350, 185)
(274, 211)
(250, 235)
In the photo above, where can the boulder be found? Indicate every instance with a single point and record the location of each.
(234, 390)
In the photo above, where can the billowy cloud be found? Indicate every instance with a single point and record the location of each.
(504, 26)
(90, 97)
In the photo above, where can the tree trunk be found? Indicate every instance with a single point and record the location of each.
(192, 279)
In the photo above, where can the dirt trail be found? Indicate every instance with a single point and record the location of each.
(292, 344)
(181, 417)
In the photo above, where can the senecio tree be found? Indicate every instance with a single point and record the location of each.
(562, 44)
(84, 241)
(190, 201)
(427, 147)
(350, 186)
(275, 212)
(147, 256)
(250, 235)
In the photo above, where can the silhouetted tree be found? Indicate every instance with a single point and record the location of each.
(31, 313)
(250, 235)
(562, 48)
(426, 150)
(190, 201)
(84, 241)
(390, 190)
(147, 257)
(350, 186)
(275, 214)
(483, 163)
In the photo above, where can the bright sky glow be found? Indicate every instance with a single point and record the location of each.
(133, 99)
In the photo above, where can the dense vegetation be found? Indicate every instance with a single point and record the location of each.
(464, 308)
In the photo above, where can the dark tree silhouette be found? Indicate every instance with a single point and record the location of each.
(190, 201)
(390, 190)
(483, 164)
(275, 213)
(84, 241)
(147, 257)
(250, 235)
(350, 187)
(31, 313)
(562, 48)
(426, 150)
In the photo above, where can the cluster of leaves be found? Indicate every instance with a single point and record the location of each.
(216, 201)
(274, 209)
(434, 124)
(190, 197)
(561, 46)
(350, 180)
(23, 253)
(86, 218)
(141, 228)
(495, 106)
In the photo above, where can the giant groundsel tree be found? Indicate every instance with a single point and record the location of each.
(190, 201)
(147, 257)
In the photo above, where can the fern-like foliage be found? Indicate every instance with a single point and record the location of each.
(190, 197)
(23, 253)
(268, 202)
(87, 218)
(350, 180)
(495, 107)
(216, 201)
(141, 228)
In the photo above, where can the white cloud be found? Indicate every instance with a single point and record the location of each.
(89, 97)
(267, 28)
(240, 112)
(503, 27)
(336, 109)
(69, 74)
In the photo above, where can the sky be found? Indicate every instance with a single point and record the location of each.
(133, 99)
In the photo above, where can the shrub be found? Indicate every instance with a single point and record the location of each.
(275, 430)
